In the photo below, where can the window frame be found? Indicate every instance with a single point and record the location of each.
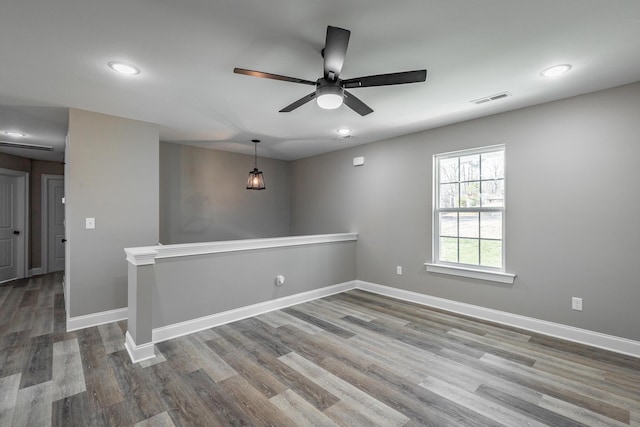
(459, 268)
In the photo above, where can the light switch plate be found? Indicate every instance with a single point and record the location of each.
(90, 223)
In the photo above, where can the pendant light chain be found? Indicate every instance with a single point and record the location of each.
(255, 155)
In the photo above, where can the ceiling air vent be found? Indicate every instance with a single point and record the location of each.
(27, 146)
(491, 98)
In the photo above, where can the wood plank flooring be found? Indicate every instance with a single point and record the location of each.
(352, 359)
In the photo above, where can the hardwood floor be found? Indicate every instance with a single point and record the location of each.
(353, 359)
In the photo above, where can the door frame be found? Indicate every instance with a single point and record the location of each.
(44, 214)
(23, 244)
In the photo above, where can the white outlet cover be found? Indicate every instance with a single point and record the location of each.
(358, 161)
(576, 303)
(90, 223)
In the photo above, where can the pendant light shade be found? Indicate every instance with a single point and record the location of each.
(256, 179)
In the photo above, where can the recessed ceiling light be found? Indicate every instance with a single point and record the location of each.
(344, 131)
(556, 70)
(14, 133)
(124, 68)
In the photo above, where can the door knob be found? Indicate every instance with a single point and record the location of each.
(64, 240)
(16, 232)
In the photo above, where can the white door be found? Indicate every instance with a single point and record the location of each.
(8, 228)
(55, 212)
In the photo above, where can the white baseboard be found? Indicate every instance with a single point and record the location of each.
(138, 353)
(34, 271)
(190, 326)
(557, 330)
(95, 319)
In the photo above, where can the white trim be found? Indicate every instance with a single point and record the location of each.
(176, 330)
(557, 330)
(471, 151)
(569, 333)
(95, 319)
(147, 255)
(66, 284)
(138, 353)
(493, 276)
(138, 256)
(35, 271)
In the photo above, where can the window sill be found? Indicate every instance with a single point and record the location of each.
(492, 276)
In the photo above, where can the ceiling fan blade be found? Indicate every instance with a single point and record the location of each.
(335, 50)
(356, 105)
(272, 76)
(299, 103)
(386, 79)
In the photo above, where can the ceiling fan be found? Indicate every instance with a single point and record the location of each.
(330, 90)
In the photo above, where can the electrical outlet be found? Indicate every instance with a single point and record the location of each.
(576, 304)
(279, 280)
(399, 270)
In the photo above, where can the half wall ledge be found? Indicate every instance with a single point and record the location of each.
(147, 255)
(169, 285)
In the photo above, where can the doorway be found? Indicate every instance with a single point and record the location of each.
(13, 224)
(53, 224)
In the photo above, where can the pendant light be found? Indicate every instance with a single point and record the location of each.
(256, 180)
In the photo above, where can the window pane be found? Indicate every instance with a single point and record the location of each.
(469, 224)
(491, 225)
(470, 187)
(470, 194)
(470, 168)
(449, 170)
(469, 253)
(449, 224)
(492, 193)
(448, 249)
(491, 253)
(449, 196)
(493, 165)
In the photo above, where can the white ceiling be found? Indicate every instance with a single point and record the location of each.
(54, 55)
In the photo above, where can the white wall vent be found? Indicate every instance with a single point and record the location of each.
(491, 98)
(26, 145)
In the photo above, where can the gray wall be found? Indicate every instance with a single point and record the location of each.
(204, 198)
(191, 287)
(112, 166)
(572, 209)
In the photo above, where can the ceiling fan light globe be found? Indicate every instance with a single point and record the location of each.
(329, 96)
(329, 101)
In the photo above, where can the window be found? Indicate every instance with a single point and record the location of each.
(469, 214)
